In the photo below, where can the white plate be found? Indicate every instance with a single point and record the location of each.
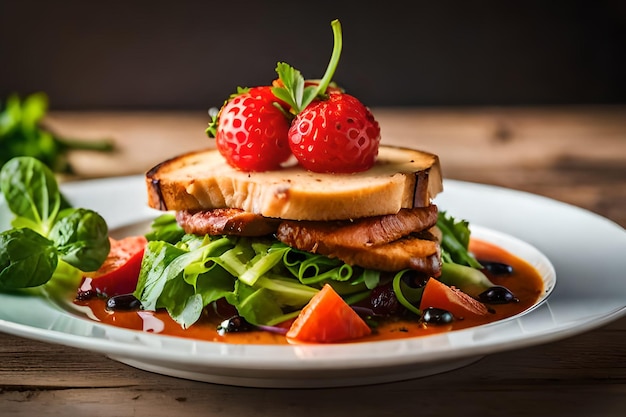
(586, 250)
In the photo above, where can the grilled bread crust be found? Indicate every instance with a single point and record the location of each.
(203, 180)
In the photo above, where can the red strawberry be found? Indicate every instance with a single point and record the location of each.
(330, 89)
(331, 132)
(265, 92)
(252, 133)
(338, 135)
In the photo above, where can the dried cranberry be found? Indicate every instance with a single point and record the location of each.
(383, 301)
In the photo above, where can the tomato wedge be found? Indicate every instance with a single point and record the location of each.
(439, 295)
(120, 271)
(327, 318)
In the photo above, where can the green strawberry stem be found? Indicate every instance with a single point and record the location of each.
(334, 59)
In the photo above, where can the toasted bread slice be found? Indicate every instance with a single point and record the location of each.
(203, 180)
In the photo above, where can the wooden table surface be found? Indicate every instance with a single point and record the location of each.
(576, 155)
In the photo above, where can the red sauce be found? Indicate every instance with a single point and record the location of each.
(525, 283)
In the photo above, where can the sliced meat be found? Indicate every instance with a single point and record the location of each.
(360, 233)
(225, 221)
(434, 233)
(419, 251)
(409, 252)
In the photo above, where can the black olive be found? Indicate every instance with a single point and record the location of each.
(497, 268)
(123, 302)
(234, 324)
(432, 315)
(497, 295)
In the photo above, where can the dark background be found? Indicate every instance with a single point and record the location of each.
(193, 54)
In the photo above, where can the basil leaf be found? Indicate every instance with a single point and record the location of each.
(82, 239)
(31, 192)
(27, 259)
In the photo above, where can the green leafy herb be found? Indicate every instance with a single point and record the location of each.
(22, 134)
(31, 192)
(79, 236)
(455, 240)
(48, 238)
(27, 259)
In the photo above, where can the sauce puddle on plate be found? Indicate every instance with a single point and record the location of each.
(524, 282)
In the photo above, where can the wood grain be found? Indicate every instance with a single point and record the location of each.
(576, 155)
